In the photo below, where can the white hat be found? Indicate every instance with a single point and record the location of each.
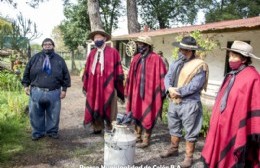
(243, 48)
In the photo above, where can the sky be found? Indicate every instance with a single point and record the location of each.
(48, 15)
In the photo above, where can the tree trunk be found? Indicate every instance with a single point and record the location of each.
(73, 64)
(94, 15)
(133, 25)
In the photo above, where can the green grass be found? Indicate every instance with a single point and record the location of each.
(14, 124)
(12, 135)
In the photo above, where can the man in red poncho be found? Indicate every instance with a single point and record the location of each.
(233, 139)
(145, 89)
(103, 80)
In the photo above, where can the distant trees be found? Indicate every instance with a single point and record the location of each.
(231, 9)
(104, 14)
(17, 34)
(75, 28)
(32, 3)
(166, 13)
(5, 30)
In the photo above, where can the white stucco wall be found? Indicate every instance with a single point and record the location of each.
(216, 58)
(164, 44)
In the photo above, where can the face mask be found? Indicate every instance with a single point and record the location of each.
(99, 43)
(141, 49)
(48, 51)
(235, 65)
(180, 55)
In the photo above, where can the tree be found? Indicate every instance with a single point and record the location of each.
(132, 17)
(5, 30)
(110, 13)
(58, 37)
(94, 15)
(24, 31)
(75, 28)
(232, 9)
(165, 13)
(32, 3)
(208, 43)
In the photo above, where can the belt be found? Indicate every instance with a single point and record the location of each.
(44, 89)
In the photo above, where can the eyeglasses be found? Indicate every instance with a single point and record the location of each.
(47, 44)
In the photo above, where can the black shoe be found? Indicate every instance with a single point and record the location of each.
(36, 138)
(97, 132)
(54, 136)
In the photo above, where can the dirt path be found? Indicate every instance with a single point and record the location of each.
(76, 148)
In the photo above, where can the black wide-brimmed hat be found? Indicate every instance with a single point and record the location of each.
(101, 32)
(188, 43)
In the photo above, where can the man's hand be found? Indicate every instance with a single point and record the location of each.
(27, 90)
(173, 93)
(63, 94)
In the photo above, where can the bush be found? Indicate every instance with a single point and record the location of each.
(9, 81)
(13, 121)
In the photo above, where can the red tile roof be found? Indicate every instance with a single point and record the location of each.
(216, 26)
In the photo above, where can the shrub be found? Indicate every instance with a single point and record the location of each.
(13, 122)
(9, 81)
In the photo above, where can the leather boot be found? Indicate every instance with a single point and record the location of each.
(190, 147)
(138, 134)
(146, 141)
(173, 149)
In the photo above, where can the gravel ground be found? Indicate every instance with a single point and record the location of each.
(77, 148)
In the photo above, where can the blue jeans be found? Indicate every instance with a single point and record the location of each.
(44, 110)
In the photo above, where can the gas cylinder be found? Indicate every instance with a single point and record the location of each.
(119, 148)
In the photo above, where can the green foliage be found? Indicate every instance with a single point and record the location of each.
(76, 27)
(232, 9)
(9, 82)
(13, 121)
(206, 117)
(166, 13)
(165, 110)
(5, 29)
(206, 120)
(110, 12)
(12, 133)
(208, 43)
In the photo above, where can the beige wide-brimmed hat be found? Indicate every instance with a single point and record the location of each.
(101, 32)
(145, 39)
(243, 48)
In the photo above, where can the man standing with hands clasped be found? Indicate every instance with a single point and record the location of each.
(102, 83)
(46, 79)
(186, 77)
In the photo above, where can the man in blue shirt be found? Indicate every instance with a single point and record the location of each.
(186, 77)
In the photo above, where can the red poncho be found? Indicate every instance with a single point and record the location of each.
(100, 88)
(234, 135)
(146, 110)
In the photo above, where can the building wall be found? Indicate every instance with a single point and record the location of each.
(216, 58)
(164, 44)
